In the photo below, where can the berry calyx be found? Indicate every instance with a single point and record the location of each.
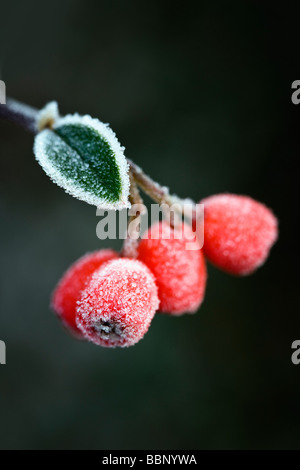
(68, 290)
(118, 304)
(238, 232)
(180, 273)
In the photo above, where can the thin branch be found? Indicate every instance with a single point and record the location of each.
(26, 116)
(134, 195)
(157, 192)
(130, 245)
(20, 114)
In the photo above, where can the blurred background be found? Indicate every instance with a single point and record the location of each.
(200, 96)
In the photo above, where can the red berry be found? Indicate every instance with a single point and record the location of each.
(69, 288)
(180, 273)
(118, 304)
(238, 232)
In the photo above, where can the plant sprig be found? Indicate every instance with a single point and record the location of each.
(83, 156)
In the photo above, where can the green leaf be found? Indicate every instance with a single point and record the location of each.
(83, 156)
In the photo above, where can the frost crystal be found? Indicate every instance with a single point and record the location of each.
(83, 156)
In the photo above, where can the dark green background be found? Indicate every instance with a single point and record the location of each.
(200, 95)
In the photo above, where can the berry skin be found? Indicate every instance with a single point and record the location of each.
(118, 304)
(238, 232)
(180, 273)
(68, 290)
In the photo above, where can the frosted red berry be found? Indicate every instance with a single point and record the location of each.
(73, 281)
(238, 232)
(118, 303)
(180, 273)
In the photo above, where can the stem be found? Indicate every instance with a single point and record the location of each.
(130, 245)
(157, 192)
(20, 114)
(134, 195)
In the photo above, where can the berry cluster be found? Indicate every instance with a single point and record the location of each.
(111, 300)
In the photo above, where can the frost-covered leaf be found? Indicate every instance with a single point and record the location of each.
(83, 156)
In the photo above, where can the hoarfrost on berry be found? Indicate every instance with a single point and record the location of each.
(118, 303)
(238, 232)
(180, 273)
(68, 290)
